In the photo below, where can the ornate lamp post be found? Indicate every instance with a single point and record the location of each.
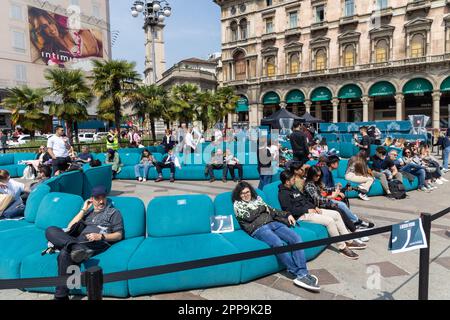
(155, 13)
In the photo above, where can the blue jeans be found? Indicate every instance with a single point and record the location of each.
(264, 181)
(138, 167)
(446, 157)
(342, 206)
(276, 234)
(14, 210)
(416, 170)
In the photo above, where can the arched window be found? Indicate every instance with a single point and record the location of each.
(234, 31)
(349, 56)
(321, 59)
(270, 67)
(381, 51)
(294, 63)
(417, 46)
(240, 66)
(243, 25)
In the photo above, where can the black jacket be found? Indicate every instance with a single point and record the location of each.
(168, 144)
(299, 143)
(293, 201)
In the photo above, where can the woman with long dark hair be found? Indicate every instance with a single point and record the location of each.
(358, 172)
(272, 227)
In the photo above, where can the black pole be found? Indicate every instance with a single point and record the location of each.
(94, 283)
(424, 266)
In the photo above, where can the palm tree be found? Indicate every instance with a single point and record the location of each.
(72, 96)
(183, 102)
(27, 106)
(114, 81)
(206, 101)
(149, 101)
(226, 100)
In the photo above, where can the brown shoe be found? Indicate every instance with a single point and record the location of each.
(349, 254)
(356, 245)
(159, 180)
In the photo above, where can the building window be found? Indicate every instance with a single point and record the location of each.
(269, 25)
(240, 66)
(320, 13)
(382, 4)
(234, 31)
(382, 51)
(243, 25)
(2, 120)
(16, 12)
(349, 56)
(19, 41)
(269, 3)
(417, 46)
(293, 20)
(321, 59)
(294, 63)
(270, 67)
(96, 10)
(21, 74)
(349, 8)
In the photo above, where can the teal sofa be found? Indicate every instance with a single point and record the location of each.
(10, 162)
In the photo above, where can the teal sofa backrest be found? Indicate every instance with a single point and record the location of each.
(343, 164)
(23, 156)
(58, 209)
(130, 159)
(179, 215)
(71, 182)
(6, 159)
(34, 201)
(97, 176)
(133, 214)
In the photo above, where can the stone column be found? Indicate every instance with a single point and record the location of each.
(335, 103)
(318, 111)
(283, 105)
(344, 112)
(365, 100)
(399, 99)
(436, 109)
(253, 115)
(308, 105)
(372, 110)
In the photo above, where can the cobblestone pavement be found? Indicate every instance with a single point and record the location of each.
(340, 278)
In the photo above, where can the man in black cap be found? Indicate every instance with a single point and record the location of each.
(91, 232)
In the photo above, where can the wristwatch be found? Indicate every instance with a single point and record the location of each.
(103, 237)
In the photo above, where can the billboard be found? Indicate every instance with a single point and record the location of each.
(61, 40)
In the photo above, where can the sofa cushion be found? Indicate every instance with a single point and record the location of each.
(97, 176)
(130, 159)
(71, 182)
(179, 215)
(12, 169)
(19, 156)
(58, 209)
(133, 214)
(6, 159)
(34, 200)
(271, 192)
(6, 225)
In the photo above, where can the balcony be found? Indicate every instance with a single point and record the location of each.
(384, 13)
(293, 32)
(351, 20)
(322, 25)
(269, 36)
(418, 5)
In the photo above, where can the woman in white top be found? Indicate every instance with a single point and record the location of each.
(189, 142)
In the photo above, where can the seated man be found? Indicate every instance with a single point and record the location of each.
(217, 163)
(170, 161)
(85, 156)
(232, 164)
(15, 207)
(103, 226)
(384, 169)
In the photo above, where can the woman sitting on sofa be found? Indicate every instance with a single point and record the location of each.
(358, 172)
(146, 162)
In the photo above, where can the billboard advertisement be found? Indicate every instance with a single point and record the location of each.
(61, 40)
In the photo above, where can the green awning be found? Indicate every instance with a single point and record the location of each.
(242, 105)
(445, 86)
(271, 98)
(321, 94)
(381, 89)
(295, 96)
(418, 85)
(350, 91)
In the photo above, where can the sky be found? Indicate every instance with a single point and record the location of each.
(193, 30)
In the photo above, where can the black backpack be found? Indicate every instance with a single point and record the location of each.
(398, 190)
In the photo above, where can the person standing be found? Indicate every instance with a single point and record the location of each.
(265, 165)
(58, 148)
(168, 142)
(112, 140)
(445, 142)
(364, 143)
(299, 143)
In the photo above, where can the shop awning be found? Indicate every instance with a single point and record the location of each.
(242, 105)
(418, 85)
(445, 86)
(295, 96)
(321, 94)
(350, 91)
(271, 98)
(382, 89)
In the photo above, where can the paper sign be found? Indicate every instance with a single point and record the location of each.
(222, 224)
(407, 236)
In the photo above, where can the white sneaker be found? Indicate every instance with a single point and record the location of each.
(144, 180)
(443, 179)
(140, 179)
(439, 182)
(364, 197)
(362, 240)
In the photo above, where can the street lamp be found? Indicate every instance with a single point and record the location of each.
(155, 13)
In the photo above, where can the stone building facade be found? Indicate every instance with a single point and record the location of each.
(340, 60)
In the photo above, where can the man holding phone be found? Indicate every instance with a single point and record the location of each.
(98, 224)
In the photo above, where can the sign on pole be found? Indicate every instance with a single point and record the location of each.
(407, 236)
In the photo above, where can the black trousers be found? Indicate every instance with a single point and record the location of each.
(60, 164)
(160, 166)
(239, 168)
(212, 167)
(300, 158)
(66, 244)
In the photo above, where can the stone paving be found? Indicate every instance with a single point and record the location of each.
(377, 275)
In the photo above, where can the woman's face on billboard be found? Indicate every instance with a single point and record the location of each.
(48, 27)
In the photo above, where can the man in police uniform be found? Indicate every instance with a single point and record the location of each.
(103, 227)
(112, 140)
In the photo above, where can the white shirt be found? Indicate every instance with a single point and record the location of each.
(59, 146)
(13, 188)
(189, 141)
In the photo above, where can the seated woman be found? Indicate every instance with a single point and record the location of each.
(299, 171)
(112, 157)
(146, 162)
(358, 172)
(432, 164)
(233, 164)
(264, 223)
(298, 204)
(409, 164)
(42, 157)
(9, 187)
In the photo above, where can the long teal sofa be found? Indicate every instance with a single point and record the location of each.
(10, 162)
